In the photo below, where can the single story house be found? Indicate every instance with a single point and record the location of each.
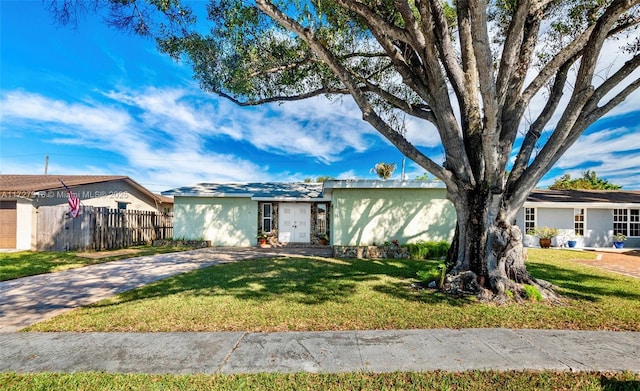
(21, 196)
(591, 217)
(367, 212)
(350, 212)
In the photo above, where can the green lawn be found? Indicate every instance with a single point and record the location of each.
(477, 380)
(283, 294)
(30, 263)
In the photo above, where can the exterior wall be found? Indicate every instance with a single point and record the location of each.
(24, 224)
(598, 230)
(364, 216)
(223, 221)
(561, 218)
(105, 194)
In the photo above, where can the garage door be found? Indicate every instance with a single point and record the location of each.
(8, 224)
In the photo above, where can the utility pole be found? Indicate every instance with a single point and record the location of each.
(46, 164)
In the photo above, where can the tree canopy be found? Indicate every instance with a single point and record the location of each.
(589, 181)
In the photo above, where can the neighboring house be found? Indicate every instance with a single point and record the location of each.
(22, 195)
(592, 217)
(364, 212)
(351, 212)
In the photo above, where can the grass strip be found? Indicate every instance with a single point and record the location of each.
(476, 381)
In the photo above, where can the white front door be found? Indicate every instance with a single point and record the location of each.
(294, 223)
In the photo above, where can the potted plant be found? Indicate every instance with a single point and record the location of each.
(324, 239)
(544, 234)
(618, 240)
(572, 242)
(262, 238)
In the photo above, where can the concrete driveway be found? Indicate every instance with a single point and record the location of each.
(29, 300)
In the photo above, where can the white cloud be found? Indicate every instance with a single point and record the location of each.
(422, 133)
(22, 105)
(614, 154)
(148, 158)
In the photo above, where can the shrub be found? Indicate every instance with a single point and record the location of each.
(431, 250)
(532, 293)
(428, 275)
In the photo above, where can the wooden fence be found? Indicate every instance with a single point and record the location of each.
(99, 228)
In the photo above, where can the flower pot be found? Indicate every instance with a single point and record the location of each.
(571, 243)
(323, 242)
(545, 243)
(618, 244)
(262, 241)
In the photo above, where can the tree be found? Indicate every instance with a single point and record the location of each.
(471, 72)
(384, 170)
(589, 181)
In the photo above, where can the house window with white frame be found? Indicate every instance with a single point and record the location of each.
(634, 222)
(267, 217)
(578, 221)
(529, 219)
(626, 222)
(321, 222)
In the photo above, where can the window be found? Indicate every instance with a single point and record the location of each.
(529, 219)
(321, 224)
(578, 221)
(626, 222)
(266, 217)
(122, 205)
(634, 222)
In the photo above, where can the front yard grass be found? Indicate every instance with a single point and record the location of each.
(302, 294)
(30, 263)
(473, 381)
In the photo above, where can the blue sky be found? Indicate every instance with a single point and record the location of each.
(98, 101)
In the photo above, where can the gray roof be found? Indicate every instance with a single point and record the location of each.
(268, 190)
(604, 196)
(314, 191)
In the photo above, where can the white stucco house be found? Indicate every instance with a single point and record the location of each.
(350, 212)
(23, 196)
(591, 217)
(364, 212)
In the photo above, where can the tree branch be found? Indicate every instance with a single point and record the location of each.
(418, 110)
(372, 18)
(443, 43)
(552, 66)
(513, 42)
(281, 68)
(573, 121)
(368, 113)
(613, 81)
(285, 98)
(613, 102)
(535, 130)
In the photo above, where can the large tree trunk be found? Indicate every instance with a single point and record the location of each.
(487, 256)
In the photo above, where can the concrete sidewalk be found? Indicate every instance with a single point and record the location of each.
(348, 351)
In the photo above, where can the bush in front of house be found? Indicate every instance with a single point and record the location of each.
(428, 250)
